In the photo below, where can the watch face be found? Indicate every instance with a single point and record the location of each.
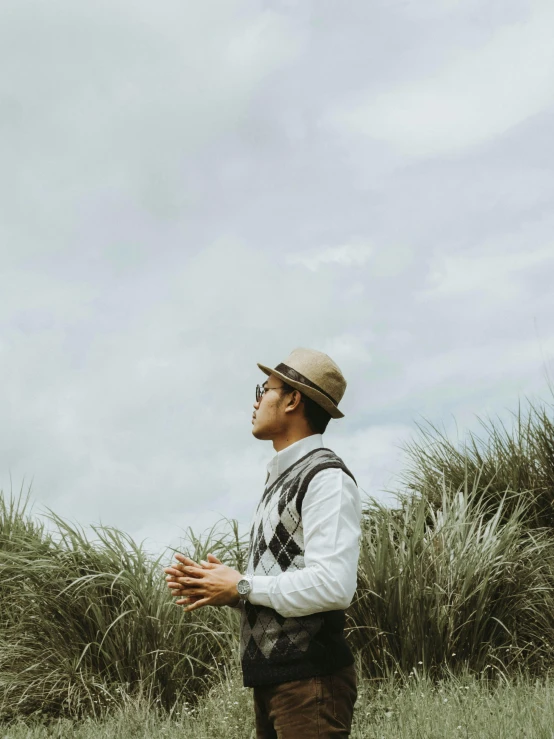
(243, 586)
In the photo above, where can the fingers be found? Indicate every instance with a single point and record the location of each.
(186, 598)
(175, 566)
(175, 574)
(189, 579)
(175, 586)
(197, 604)
(186, 561)
(191, 587)
(191, 584)
(180, 568)
(184, 580)
(207, 565)
(186, 594)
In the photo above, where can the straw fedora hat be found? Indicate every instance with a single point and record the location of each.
(314, 374)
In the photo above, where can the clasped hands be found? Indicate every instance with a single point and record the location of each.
(208, 583)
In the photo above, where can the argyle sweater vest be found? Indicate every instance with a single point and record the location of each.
(273, 648)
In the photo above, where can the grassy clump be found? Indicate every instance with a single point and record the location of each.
(88, 624)
(449, 588)
(459, 578)
(467, 706)
(507, 464)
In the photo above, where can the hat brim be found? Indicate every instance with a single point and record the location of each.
(315, 395)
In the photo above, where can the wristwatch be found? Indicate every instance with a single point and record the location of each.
(244, 587)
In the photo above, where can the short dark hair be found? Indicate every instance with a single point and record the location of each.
(316, 416)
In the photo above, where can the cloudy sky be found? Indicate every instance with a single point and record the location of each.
(188, 188)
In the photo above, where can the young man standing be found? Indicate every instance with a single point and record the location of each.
(302, 561)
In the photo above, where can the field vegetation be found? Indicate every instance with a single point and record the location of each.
(419, 708)
(453, 616)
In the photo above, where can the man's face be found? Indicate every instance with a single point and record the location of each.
(269, 418)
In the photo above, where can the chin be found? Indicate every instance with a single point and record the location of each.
(258, 434)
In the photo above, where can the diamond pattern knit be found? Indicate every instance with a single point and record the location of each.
(275, 648)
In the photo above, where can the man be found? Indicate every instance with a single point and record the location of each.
(302, 561)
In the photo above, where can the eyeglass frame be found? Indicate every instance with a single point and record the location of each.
(261, 391)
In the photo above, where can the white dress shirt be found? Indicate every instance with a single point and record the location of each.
(331, 514)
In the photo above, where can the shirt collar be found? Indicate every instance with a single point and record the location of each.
(291, 454)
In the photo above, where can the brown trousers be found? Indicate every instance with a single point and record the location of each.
(316, 707)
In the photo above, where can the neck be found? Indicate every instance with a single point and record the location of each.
(291, 436)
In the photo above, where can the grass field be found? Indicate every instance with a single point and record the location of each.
(464, 707)
(456, 584)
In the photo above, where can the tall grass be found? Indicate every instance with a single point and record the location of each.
(420, 708)
(442, 589)
(88, 623)
(460, 577)
(509, 463)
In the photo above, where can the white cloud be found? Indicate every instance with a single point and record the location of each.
(374, 455)
(464, 369)
(479, 94)
(349, 349)
(499, 274)
(154, 397)
(154, 165)
(107, 103)
(430, 8)
(353, 254)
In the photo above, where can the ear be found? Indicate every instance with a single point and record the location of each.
(294, 402)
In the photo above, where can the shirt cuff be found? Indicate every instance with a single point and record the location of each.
(259, 595)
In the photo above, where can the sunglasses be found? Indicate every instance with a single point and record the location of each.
(261, 390)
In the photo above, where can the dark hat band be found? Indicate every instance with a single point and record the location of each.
(292, 374)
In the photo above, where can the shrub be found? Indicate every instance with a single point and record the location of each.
(89, 623)
(459, 577)
(507, 464)
(441, 587)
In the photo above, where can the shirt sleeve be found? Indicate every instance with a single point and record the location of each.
(331, 515)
